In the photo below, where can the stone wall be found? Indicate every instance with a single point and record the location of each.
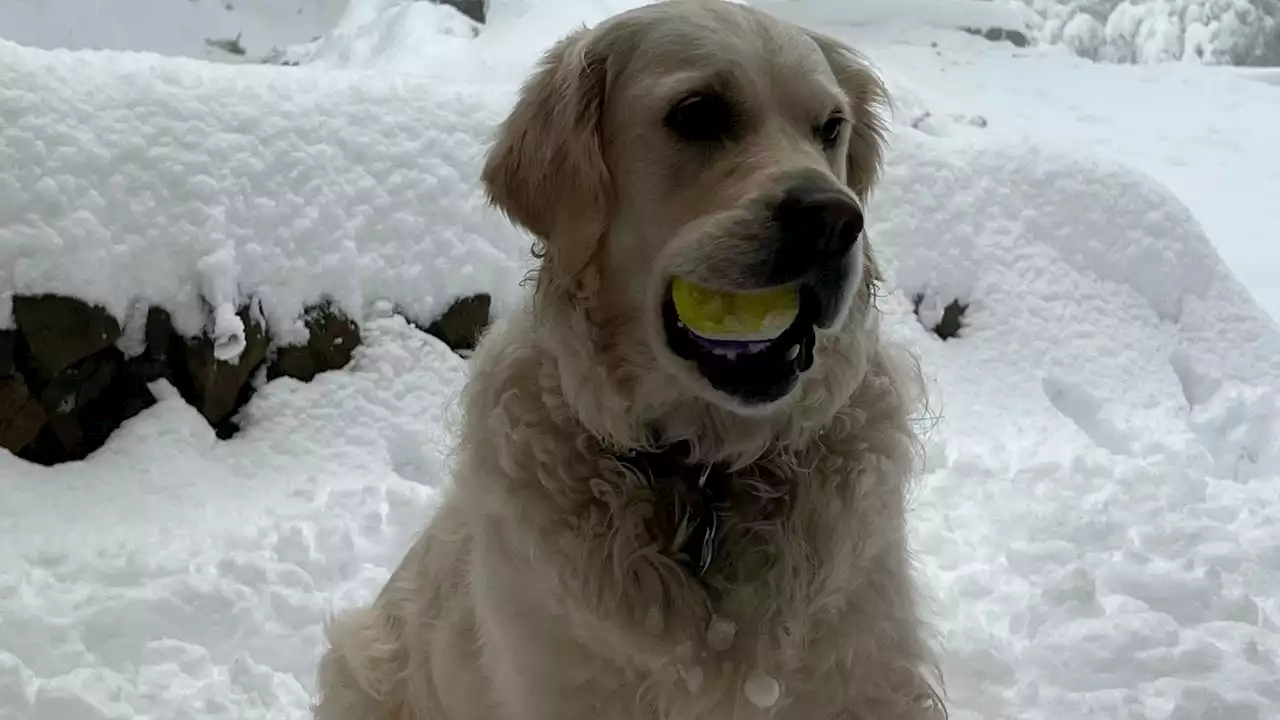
(68, 378)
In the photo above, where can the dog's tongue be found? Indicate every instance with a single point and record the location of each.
(724, 316)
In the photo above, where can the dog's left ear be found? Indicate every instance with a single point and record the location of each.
(546, 170)
(868, 99)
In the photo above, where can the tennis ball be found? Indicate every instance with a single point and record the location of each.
(734, 316)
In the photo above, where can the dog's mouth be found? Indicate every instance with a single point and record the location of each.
(755, 365)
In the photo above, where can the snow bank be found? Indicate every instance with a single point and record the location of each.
(374, 33)
(953, 14)
(1211, 152)
(1101, 514)
(132, 177)
(167, 27)
(181, 577)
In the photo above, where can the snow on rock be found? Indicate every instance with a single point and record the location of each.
(131, 177)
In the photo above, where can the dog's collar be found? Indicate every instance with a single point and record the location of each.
(697, 496)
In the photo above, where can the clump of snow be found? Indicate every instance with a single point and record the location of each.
(761, 690)
(1215, 32)
(1085, 35)
(185, 184)
(369, 31)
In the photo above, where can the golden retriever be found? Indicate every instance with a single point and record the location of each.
(644, 524)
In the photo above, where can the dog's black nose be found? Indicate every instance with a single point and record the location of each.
(820, 223)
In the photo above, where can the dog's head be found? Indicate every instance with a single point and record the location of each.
(702, 140)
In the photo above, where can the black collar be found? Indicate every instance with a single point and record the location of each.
(692, 502)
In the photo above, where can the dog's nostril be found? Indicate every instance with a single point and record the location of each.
(819, 220)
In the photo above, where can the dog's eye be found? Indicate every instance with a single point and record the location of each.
(701, 118)
(829, 132)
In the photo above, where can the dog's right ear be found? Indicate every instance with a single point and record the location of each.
(546, 170)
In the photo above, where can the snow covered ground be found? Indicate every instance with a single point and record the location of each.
(1099, 524)
(169, 27)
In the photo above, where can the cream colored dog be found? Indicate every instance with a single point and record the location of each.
(645, 523)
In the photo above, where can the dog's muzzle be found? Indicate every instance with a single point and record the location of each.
(811, 237)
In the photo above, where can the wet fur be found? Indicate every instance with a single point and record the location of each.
(546, 587)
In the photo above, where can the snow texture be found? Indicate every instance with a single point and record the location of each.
(951, 14)
(168, 27)
(137, 178)
(1098, 522)
(1214, 32)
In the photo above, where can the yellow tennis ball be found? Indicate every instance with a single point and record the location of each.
(745, 316)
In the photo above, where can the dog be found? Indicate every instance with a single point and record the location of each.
(641, 525)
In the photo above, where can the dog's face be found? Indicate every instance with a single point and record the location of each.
(702, 140)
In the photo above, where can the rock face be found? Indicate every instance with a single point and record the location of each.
(61, 331)
(462, 324)
(66, 384)
(1016, 37)
(333, 338)
(216, 387)
(474, 9)
(21, 415)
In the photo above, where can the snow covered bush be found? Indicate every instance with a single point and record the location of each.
(1213, 32)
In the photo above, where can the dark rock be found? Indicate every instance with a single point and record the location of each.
(217, 388)
(995, 34)
(333, 338)
(67, 395)
(61, 331)
(84, 404)
(154, 362)
(21, 416)
(462, 324)
(952, 320)
(474, 9)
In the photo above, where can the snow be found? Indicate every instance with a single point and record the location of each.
(168, 27)
(1232, 32)
(952, 14)
(149, 177)
(1098, 524)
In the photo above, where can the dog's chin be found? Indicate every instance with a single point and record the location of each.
(753, 378)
